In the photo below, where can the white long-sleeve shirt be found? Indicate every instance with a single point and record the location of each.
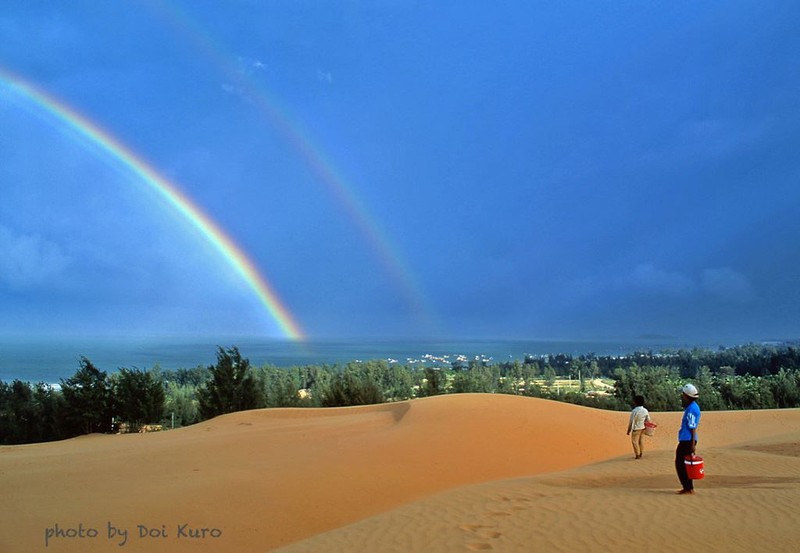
(638, 417)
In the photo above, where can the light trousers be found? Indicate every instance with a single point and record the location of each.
(637, 439)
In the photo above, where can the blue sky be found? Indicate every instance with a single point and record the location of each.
(513, 169)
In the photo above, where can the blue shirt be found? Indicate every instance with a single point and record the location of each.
(691, 418)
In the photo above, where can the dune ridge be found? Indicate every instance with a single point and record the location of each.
(454, 472)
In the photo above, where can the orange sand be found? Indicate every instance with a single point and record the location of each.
(450, 473)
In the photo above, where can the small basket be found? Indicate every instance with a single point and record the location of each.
(650, 428)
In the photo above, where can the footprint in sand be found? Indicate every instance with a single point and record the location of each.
(472, 527)
(482, 531)
(515, 503)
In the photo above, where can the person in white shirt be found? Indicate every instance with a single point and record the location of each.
(639, 416)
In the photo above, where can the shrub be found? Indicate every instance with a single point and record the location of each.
(347, 389)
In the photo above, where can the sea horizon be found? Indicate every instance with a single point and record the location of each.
(40, 360)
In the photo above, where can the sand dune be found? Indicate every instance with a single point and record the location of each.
(450, 473)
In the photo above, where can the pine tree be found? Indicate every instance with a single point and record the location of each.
(232, 386)
(87, 400)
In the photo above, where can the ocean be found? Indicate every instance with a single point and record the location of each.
(49, 361)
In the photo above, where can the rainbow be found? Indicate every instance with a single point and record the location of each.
(168, 191)
(389, 258)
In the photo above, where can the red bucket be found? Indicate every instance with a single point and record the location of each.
(694, 467)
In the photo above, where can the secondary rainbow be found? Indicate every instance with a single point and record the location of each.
(182, 23)
(206, 226)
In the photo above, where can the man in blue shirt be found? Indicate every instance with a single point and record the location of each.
(687, 435)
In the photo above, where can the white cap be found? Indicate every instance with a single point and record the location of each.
(690, 390)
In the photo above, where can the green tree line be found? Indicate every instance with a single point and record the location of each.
(747, 377)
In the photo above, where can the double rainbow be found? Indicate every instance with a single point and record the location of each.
(182, 24)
